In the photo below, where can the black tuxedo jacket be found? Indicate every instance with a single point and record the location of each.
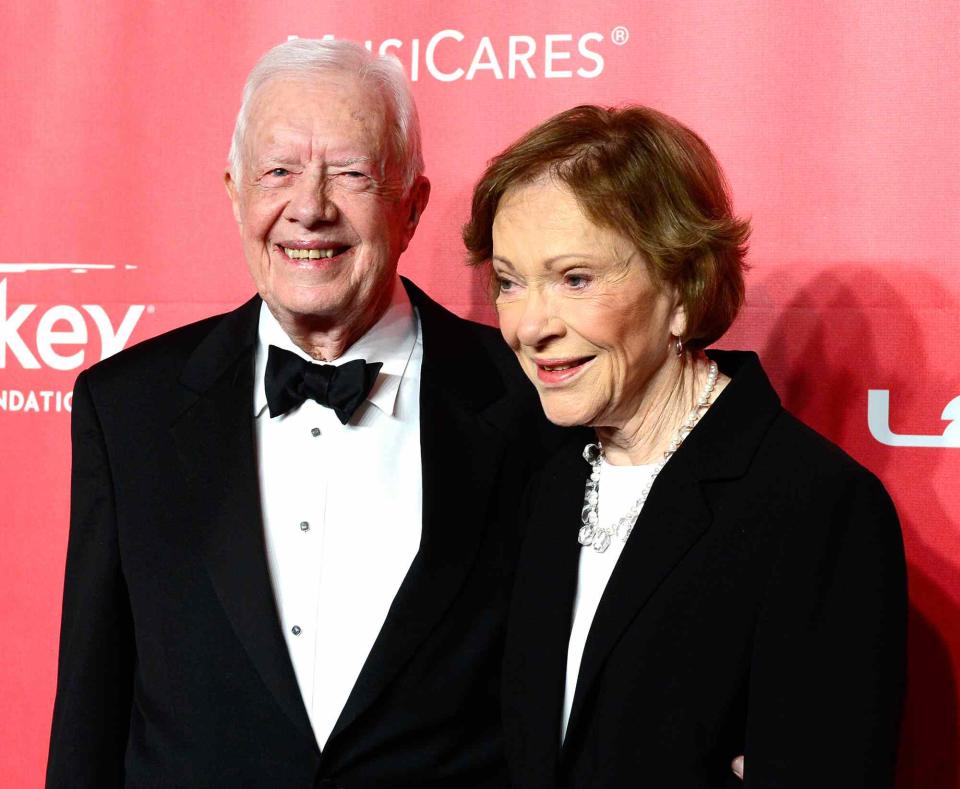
(173, 669)
(758, 608)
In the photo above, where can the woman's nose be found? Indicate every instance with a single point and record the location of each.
(539, 322)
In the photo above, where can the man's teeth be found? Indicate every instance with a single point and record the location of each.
(560, 367)
(311, 254)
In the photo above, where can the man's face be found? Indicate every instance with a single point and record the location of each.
(322, 211)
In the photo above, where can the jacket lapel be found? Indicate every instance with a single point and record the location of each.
(460, 397)
(673, 519)
(215, 439)
(677, 514)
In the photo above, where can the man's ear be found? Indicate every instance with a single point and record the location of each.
(417, 199)
(233, 192)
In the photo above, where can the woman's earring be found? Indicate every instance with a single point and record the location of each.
(678, 346)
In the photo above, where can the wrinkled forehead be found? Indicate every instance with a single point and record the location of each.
(330, 108)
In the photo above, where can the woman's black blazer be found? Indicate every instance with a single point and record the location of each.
(759, 608)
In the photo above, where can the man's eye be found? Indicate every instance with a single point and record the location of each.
(355, 177)
(353, 180)
(279, 172)
(576, 281)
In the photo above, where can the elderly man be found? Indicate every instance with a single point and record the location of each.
(283, 572)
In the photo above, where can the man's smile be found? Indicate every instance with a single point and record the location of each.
(315, 251)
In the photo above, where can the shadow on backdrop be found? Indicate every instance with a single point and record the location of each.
(849, 329)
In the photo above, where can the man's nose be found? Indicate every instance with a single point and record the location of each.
(311, 202)
(539, 321)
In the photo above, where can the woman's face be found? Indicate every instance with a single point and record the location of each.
(590, 327)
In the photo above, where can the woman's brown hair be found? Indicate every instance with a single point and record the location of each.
(646, 176)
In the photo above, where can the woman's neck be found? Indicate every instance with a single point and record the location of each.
(646, 435)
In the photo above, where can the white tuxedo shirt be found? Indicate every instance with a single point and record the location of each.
(341, 507)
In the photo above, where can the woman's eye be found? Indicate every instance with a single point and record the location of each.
(279, 172)
(576, 281)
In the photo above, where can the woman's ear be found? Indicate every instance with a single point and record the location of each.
(678, 318)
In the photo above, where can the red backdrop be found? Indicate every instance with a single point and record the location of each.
(836, 123)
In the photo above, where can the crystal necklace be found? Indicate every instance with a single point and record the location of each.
(591, 533)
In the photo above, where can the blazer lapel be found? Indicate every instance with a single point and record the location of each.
(677, 514)
(673, 519)
(215, 439)
(460, 444)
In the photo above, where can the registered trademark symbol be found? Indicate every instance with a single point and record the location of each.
(620, 35)
(151, 309)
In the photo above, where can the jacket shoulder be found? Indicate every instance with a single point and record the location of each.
(157, 358)
(456, 341)
(806, 454)
(496, 348)
(805, 493)
(749, 432)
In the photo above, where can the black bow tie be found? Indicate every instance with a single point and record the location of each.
(291, 379)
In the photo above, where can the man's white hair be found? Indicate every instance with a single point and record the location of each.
(304, 57)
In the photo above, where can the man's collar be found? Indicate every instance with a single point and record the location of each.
(391, 341)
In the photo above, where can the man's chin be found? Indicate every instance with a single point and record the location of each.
(300, 309)
(306, 309)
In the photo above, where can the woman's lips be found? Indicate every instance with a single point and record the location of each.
(560, 371)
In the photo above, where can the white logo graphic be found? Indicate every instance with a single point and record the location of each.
(59, 341)
(448, 55)
(74, 268)
(61, 333)
(878, 420)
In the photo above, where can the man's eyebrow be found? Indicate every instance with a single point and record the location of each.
(278, 157)
(350, 161)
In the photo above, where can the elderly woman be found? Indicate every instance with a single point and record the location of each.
(709, 589)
